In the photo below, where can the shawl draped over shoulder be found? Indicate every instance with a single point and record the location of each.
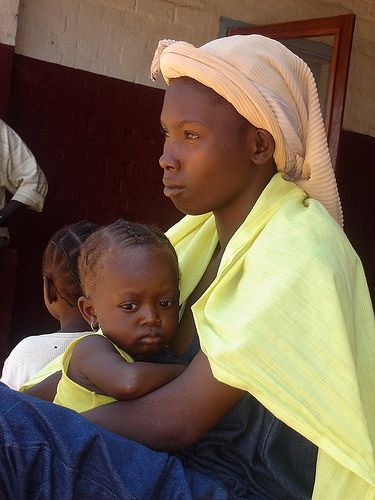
(288, 318)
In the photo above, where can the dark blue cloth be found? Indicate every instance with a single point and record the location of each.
(252, 452)
(49, 452)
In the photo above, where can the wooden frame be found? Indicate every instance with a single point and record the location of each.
(341, 28)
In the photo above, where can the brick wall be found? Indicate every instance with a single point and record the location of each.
(6, 62)
(8, 29)
(117, 37)
(8, 21)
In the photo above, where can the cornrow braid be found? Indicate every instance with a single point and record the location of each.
(60, 259)
(118, 235)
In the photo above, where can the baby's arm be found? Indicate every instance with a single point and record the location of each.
(96, 365)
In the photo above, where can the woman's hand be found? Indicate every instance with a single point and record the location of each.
(175, 416)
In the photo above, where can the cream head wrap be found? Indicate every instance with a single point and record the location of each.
(273, 89)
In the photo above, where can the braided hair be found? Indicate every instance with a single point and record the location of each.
(60, 259)
(119, 235)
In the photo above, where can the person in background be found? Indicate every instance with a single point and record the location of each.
(61, 289)
(21, 176)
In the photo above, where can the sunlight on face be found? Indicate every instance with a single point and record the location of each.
(206, 153)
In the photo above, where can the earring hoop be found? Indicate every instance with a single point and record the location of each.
(93, 325)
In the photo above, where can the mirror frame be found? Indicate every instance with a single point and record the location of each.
(341, 28)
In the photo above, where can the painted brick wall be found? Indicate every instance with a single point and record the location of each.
(6, 62)
(8, 257)
(117, 37)
(355, 174)
(8, 21)
(8, 29)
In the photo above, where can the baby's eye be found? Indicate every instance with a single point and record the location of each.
(165, 303)
(129, 306)
(191, 136)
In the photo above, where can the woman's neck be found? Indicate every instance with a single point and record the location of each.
(230, 217)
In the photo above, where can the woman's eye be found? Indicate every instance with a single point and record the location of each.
(191, 136)
(164, 132)
(129, 307)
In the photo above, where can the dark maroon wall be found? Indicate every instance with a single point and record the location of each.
(355, 177)
(6, 61)
(97, 140)
(8, 257)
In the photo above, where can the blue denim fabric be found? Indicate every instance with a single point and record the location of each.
(49, 452)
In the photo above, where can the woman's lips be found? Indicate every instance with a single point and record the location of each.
(171, 190)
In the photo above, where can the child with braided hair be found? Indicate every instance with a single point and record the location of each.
(61, 289)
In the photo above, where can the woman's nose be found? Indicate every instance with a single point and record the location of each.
(168, 161)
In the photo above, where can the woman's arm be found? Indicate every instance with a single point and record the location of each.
(175, 416)
(96, 365)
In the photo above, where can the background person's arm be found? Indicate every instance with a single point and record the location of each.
(175, 416)
(9, 211)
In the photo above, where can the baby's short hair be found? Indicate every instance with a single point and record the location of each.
(119, 235)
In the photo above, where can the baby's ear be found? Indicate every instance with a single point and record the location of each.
(87, 310)
(264, 147)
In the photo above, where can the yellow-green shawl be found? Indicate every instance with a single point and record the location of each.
(289, 319)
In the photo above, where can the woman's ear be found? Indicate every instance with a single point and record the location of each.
(87, 310)
(263, 147)
(49, 290)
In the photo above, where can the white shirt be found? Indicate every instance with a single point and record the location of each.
(34, 353)
(19, 173)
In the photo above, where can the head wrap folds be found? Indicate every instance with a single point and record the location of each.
(273, 89)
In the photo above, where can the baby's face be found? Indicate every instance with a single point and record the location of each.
(136, 299)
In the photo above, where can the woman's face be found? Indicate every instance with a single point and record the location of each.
(206, 157)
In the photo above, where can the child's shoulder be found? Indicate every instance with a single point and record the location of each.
(90, 342)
